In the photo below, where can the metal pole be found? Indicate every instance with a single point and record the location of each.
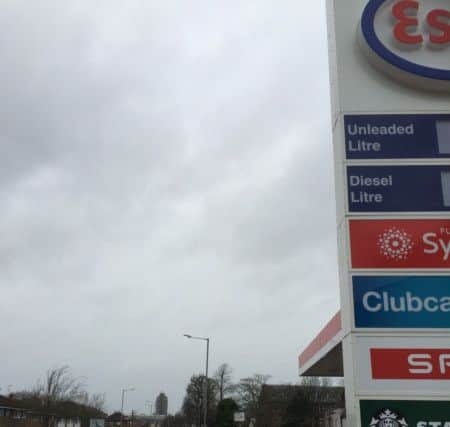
(205, 412)
(121, 408)
(123, 398)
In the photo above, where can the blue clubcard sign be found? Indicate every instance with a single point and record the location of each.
(398, 188)
(401, 301)
(398, 136)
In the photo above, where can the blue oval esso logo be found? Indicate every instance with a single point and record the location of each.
(410, 40)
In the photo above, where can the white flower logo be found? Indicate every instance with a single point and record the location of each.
(395, 244)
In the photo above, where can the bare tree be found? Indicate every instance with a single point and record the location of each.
(314, 397)
(249, 390)
(97, 401)
(224, 382)
(60, 385)
(194, 399)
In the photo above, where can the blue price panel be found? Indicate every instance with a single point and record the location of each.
(401, 301)
(398, 188)
(397, 136)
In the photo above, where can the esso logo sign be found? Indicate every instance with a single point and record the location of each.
(406, 14)
(409, 40)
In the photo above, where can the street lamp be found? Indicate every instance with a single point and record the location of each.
(124, 390)
(205, 403)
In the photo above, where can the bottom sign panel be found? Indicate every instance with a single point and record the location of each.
(405, 366)
(404, 413)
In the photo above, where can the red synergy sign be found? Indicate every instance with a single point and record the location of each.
(400, 243)
(410, 364)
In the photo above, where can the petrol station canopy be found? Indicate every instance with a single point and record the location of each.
(323, 356)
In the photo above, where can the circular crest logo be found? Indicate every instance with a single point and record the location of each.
(388, 418)
(409, 40)
(395, 244)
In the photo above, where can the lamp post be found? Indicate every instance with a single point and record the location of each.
(205, 403)
(124, 390)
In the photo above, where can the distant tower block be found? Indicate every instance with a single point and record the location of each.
(161, 404)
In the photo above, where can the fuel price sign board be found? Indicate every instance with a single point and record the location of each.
(398, 188)
(390, 74)
(397, 136)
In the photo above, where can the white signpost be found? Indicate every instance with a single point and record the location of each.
(239, 417)
(390, 87)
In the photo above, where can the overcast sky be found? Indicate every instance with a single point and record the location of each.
(166, 169)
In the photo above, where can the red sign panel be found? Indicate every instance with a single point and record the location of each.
(410, 364)
(405, 243)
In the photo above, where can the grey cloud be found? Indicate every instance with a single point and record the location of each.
(166, 169)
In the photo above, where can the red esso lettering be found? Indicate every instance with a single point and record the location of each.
(405, 12)
(407, 26)
(439, 20)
